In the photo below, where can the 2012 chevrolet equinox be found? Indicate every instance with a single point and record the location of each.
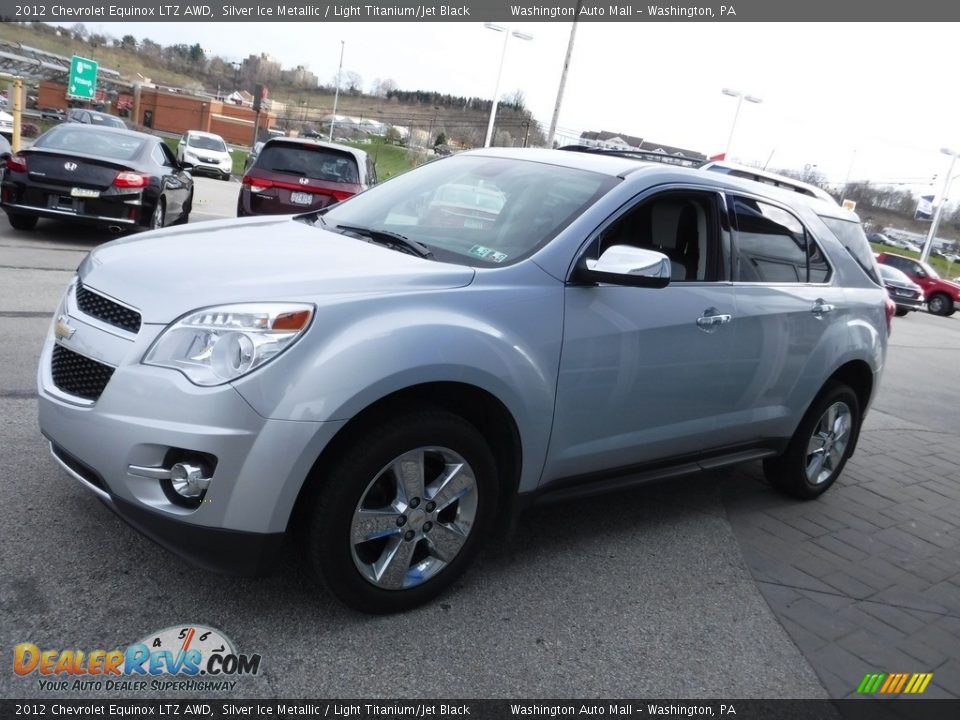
(398, 374)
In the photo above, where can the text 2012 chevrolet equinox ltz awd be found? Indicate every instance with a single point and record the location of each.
(397, 375)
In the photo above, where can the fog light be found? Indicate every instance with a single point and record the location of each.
(188, 480)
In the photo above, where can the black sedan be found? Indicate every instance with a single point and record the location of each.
(904, 292)
(104, 176)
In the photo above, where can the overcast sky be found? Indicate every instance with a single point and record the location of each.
(875, 100)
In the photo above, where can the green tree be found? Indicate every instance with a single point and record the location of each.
(441, 139)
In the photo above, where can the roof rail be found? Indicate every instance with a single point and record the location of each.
(649, 155)
(768, 178)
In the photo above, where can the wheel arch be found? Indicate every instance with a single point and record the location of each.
(857, 375)
(479, 407)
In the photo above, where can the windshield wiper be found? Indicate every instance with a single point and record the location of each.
(390, 239)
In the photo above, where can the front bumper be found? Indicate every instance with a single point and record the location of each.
(142, 415)
(230, 552)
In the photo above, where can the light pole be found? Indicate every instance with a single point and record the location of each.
(927, 246)
(563, 80)
(740, 98)
(336, 95)
(507, 32)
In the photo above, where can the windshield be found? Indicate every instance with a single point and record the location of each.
(476, 210)
(102, 143)
(929, 270)
(206, 143)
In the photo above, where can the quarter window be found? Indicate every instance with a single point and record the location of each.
(772, 246)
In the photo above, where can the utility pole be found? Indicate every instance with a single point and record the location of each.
(16, 108)
(928, 245)
(336, 96)
(563, 79)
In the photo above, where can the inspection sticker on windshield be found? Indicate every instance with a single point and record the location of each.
(497, 257)
(480, 251)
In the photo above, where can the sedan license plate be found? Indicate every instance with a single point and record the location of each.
(301, 198)
(84, 193)
(904, 293)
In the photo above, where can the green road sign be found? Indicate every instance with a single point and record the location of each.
(83, 78)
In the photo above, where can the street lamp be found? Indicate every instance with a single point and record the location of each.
(740, 98)
(507, 32)
(947, 179)
(336, 96)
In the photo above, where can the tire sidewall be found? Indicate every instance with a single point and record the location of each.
(329, 533)
(944, 305)
(791, 467)
(153, 224)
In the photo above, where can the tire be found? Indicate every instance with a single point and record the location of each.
(797, 472)
(158, 215)
(902, 311)
(940, 304)
(185, 213)
(433, 543)
(22, 222)
(225, 178)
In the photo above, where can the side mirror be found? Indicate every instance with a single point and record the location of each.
(627, 265)
(919, 273)
(184, 165)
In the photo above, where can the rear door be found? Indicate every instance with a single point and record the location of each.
(790, 318)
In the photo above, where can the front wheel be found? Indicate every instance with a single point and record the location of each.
(820, 446)
(940, 304)
(403, 512)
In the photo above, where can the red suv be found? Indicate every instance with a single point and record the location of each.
(942, 296)
(292, 175)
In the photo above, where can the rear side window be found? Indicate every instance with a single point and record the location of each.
(851, 236)
(772, 246)
(312, 162)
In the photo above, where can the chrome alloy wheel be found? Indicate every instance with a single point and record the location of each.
(828, 443)
(413, 518)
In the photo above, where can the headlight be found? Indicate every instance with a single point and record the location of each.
(218, 344)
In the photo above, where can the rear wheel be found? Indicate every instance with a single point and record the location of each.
(158, 215)
(403, 512)
(185, 213)
(940, 304)
(22, 222)
(821, 445)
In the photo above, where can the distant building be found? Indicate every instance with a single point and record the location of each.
(260, 68)
(621, 141)
(301, 77)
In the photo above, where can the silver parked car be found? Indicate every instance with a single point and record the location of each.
(397, 375)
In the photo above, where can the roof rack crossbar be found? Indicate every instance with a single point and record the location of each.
(665, 158)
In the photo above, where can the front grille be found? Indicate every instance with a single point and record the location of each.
(107, 310)
(78, 375)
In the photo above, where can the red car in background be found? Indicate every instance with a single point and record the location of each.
(292, 175)
(942, 296)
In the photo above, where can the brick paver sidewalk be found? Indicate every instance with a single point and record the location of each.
(867, 577)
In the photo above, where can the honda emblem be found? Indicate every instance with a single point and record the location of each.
(71, 166)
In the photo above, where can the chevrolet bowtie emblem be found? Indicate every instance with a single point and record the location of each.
(63, 330)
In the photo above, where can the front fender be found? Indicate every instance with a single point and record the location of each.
(360, 352)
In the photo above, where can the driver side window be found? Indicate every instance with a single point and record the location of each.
(683, 225)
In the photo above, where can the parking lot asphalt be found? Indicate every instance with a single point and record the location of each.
(674, 590)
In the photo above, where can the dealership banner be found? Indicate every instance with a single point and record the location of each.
(69, 11)
(493, 709)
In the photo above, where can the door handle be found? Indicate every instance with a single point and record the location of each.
(712, 319)
(820, 308)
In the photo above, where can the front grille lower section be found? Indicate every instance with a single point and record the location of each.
(78, 375)
(107, 310)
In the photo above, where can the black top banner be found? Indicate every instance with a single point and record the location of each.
(854, 11)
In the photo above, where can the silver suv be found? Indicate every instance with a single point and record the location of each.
(397, 375)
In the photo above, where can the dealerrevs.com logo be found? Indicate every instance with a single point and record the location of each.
(178, 658)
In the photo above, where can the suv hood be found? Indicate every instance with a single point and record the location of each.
(167, 273)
